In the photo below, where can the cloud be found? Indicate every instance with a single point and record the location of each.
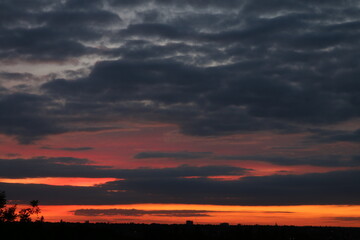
(77, 167)
(56, 31)
(326, 188)
(137, 212)
(31, 117)
(347, 219)
(332, 188)
(16, 76)
(113, 77)
(222, 72)
(12, 154)
(41, 44)
(225, 99)
(153, 30)
(162, 91)
(320, 160)
(47, 167)
(179, 3)
(317, 160)
(24, 116)
(210, 70)
(326, 136)
(75, 149)
(176, 155)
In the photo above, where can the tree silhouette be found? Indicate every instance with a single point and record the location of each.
(9, 214)
(2, 200)
(24, 215)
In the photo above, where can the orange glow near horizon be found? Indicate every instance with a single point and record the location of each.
(60, 181)
(304, 215)
(118, 149)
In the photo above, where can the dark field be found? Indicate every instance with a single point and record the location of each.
(104, 231)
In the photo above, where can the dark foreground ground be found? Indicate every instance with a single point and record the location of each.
(85, 231)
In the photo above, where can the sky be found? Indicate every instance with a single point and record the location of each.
(238, 111)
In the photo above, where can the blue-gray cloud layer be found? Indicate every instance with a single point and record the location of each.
(183, 184)
(317, 160)
(340, 187)
(212, 68)
(137, 212)
(77, 167)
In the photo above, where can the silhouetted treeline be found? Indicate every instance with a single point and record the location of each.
(103, 231)
(12, 214)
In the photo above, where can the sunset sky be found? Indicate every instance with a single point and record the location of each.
(238, 111)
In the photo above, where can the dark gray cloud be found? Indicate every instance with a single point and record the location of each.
(138, 213)
(340, 187)
(24, 116)
(56, 195)
(289, 148)
(42, 167)
(77, 167)
(39, 45)
(320, 160)
(31, 117)
(155, 30)
(202, 65)
(75, 149)
(50, 31)
(326, 136)
(254, 94)
(347, 219)
(176, 155)
(114, 77)
(317, 160)
(323, 188)
(179, 3)
(12, 154)
(16, 76)
(182, 88)
(164, 213)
